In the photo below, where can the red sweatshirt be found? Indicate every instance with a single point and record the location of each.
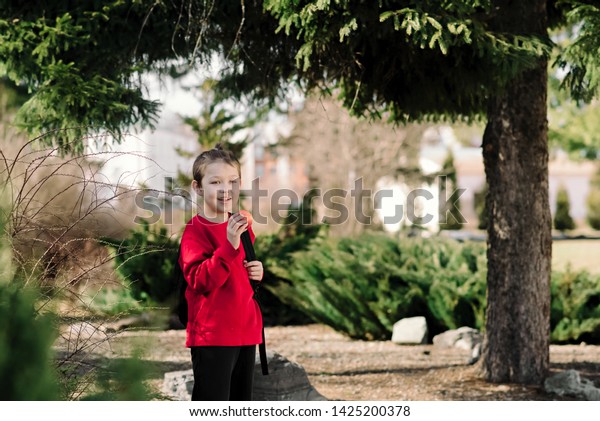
(221, 310)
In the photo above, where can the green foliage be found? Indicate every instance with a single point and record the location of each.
(444, 25)
(145, 262)
(296, 233)
(457, 297)
(82, 61)
(575, 310)
(82, 78)
(581, 57)
(562, 218)
(26, 339)
(113, 302)
(572, 125)
(345, 45)
(26, 336)
(362, 286)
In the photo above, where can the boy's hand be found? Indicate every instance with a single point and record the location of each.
(236, 225)
(255, 270)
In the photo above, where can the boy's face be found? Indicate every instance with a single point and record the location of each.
(220, 188)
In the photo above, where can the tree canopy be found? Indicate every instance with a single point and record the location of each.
(83, 62)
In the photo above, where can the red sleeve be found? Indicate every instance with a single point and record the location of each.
(204, 267)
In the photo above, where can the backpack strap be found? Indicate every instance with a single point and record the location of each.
(182, 305)
(262, 347)
(251, 256)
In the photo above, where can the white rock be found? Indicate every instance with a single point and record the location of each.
(464, 337)
(412, 330)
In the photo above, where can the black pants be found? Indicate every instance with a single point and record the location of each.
(223, 373)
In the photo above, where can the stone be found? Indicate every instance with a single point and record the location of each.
(570, 383)
(178, 385)
(464, 337)
(84, 335)
(286, 381)
(140, 320)
(410, 331)
(475, 354)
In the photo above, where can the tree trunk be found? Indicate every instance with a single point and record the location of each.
(515, 152)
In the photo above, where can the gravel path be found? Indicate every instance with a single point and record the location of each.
(344, 369)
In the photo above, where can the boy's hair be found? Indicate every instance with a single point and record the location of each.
(213, 155)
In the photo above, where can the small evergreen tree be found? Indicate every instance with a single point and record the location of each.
(593, 206)
(450, 221)
(575, 309)
(481, 207)
(593, 202)
(562, 217)
(217, 123)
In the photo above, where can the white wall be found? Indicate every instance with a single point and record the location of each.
(146, 158)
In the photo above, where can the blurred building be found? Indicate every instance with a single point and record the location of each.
(468, 160)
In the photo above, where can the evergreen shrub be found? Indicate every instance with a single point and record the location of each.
(26, 338)
(562, 217)
(145, 261)
(593, 209)
(362, 286)
(275, 250)
(26, 368)
(114, 302)
(448, 189)
(593, 201)
(575, 308)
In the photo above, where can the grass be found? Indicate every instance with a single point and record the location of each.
(579, 254)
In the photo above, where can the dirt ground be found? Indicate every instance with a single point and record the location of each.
(344, 369)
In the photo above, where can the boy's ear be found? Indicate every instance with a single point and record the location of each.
(197, 188)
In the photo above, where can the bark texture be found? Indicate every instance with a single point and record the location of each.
(515, 152)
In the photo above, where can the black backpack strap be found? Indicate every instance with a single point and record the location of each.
(262, 350)
(250, 256)
(262, 347)
(182, 305)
